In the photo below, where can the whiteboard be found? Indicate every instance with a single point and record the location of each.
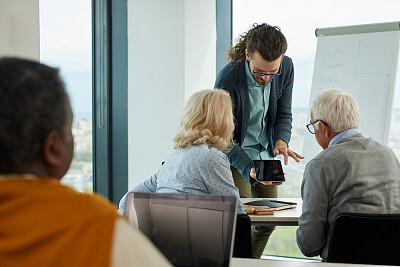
(363, 65)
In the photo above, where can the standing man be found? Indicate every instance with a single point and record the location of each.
(259, 79)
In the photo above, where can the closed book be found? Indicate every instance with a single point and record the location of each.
(258, 210)
(272, 204)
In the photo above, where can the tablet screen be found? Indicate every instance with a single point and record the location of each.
(269, 170)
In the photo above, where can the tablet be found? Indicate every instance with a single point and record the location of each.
(269, 171)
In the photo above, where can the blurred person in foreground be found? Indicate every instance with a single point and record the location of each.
(44, 223)
(353, 173)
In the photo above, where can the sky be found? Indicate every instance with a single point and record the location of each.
(66, 43)
(65, 35)
(298, 21)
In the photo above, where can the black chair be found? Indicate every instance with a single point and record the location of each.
(242, 246)
(365, 239)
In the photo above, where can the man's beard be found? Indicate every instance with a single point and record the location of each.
(261, 82)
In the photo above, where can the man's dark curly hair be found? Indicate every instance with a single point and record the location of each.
(265, 39)
(33, 102)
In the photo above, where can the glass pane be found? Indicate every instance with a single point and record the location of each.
(298, 21)
(66, 43)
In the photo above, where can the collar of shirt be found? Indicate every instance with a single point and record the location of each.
(250, 78)
(343, 134)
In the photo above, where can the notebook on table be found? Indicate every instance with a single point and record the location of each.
(274, 205)
(258, 210)
(189, 229)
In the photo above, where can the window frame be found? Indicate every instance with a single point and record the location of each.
(110, 111)
(224, 14)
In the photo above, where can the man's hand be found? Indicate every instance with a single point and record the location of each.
(253, 174)
(282, 149)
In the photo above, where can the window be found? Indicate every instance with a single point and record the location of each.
(66, 43)
(298, 21)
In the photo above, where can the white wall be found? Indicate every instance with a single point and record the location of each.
(171, 54)
(200, 45)
(19, 28)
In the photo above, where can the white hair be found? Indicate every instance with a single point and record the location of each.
(338, 109)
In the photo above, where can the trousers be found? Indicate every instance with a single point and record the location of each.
(260, 234)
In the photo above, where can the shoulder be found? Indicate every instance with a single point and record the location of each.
(352, 143)
(353, 140)
(359, 139)
(287, 61)
(91, 205)
(206, 155)
(229, 70)
(323, 163)
(208, 152)
(328, 156)
(95, 206)
(215, 153)
(287, 66)
(360, 142)
(229, 74)
(313, 166)
(340, 153)
(345, 145)
(286, 79)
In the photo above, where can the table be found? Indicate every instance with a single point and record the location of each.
(240, 262)
(288, 217)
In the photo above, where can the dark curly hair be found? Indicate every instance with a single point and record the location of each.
(33, 102)
(265, 39)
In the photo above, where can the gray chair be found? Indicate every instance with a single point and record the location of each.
(189, 229)
(365, 239)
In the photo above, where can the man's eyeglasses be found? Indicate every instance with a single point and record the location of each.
(310, 126)
(268, 74)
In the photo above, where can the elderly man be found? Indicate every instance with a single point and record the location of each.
(352, 174)
(44, 223)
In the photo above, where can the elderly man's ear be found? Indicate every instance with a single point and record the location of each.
(325, 129)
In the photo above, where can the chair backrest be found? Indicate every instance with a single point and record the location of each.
(242, 247)
(189, 229)
(365, 239)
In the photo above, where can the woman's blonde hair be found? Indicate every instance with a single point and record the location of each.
(206, 119)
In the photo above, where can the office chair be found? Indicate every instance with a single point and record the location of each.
(242, 246)
(189, 229)
(365, 239)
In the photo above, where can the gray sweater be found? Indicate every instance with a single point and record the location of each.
(357, 174)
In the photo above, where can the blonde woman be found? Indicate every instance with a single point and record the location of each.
(198, 164)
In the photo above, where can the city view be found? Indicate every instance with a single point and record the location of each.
(80, 174)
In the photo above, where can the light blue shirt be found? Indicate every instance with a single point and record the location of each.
(343, 134)
(197, 170)
(256, 142)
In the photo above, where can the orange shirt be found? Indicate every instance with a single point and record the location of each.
(43, 223)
